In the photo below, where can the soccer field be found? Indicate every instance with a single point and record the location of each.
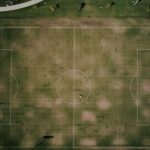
(89, 87)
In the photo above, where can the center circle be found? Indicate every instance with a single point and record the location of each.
(73, 87)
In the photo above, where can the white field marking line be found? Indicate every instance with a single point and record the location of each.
(20, 27)
(117, 99)
(91, 50)
(74, 67)
(143, 49)
(113, 76)
(11, 88)
(131, 82)
(17, 87)
(102, 147)
(143, 125)
(58, 85)
(5, 124)
(3, 49)
(92, 27)
(137, 88)
(96, 27)
(67, 27)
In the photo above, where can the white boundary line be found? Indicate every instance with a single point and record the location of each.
(17, 87)
(3, 49)
(74, 67)
(137, 87)
(10, 87)
(72, 27)
(143, 124)
(143, 49)
(78, 147)
(131, 82)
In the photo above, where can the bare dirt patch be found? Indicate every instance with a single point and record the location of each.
(146, 113)
(146, 86)
(88, 142)
(103, 104)
(88, 116)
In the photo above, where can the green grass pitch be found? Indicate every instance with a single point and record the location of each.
(88, 87)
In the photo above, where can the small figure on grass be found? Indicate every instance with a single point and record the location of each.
(57, 6)
(40, 4)
(82, 6)
(81, 96)
(110, 5)
(53, 9)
